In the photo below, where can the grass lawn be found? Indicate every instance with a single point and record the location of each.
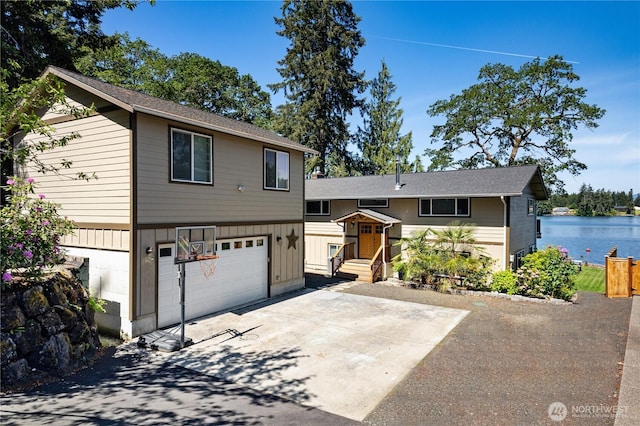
(590, 279)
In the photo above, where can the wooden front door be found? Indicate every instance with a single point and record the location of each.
(369, 237)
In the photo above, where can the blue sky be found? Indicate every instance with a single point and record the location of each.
(434, 50)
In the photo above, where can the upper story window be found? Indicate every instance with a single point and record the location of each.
(320, 207)
(191, 155)
(531, 206)
(444, 207)
(276, 169)
(374, 202)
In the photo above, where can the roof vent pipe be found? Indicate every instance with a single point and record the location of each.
(398, 184)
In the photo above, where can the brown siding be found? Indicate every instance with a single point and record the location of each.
(103, 149)
(237, 161)
(486, 218)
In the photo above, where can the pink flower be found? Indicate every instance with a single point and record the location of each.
(41, 196)
(10, 181)
(28, 254)
(30, 180)
(45, 222)
(6, 277)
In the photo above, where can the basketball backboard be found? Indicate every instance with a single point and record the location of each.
(194, 243)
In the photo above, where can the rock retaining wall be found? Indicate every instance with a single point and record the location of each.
(47, 329)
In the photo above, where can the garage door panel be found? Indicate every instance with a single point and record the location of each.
(241, 276)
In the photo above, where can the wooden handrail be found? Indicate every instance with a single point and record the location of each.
(376, 264)
(376, 256)
(344, 252)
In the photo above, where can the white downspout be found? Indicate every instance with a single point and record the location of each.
(504, 233)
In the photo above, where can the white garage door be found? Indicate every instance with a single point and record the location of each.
(240, 277)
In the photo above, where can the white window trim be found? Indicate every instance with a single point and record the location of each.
(192, 134)
(455, 214)
(264, 164)
(322, 213)
(360, 204)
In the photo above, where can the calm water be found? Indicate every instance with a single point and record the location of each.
(598, 234)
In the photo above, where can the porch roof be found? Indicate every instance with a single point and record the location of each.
(369, 214)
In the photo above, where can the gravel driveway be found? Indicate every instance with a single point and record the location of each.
(508, 361)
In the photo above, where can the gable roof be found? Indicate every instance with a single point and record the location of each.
(493, 182)
(133, 101)
(369, 214)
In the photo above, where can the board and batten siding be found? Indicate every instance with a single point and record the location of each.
(523, 225)
(103, 148)
(236, 161)
(286, 265)
(317, 237)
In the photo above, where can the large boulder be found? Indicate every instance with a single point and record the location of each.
(47, 329)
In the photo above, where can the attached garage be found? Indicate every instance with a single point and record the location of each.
(240, 277)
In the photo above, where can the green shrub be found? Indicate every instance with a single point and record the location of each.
(556, 272)
(504, 282)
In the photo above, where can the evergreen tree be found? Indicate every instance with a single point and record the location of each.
(319, 82)
(585, 201)
(379, 140)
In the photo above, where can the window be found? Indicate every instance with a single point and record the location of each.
(317, 207)
(333, 249)
(276, 169)
(190, 157)
(517, 259)
(380, 202)
(531, 207)
(248, 243)
(444, 207)
(237, 244)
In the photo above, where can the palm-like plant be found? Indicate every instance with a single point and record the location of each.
(452, 253)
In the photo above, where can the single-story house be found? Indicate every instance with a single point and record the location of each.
(362, 217)
(560, 211)
(161, 166)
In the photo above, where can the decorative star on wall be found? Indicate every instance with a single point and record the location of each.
(293, 238)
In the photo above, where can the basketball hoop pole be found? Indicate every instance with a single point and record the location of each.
(182, 273)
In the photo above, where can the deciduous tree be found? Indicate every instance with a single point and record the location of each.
(37, 33)
(187, 78)
(512, 117)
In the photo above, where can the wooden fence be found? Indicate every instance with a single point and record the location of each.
(622, 275)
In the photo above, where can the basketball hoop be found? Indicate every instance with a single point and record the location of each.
(207, 264)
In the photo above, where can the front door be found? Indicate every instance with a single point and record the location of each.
(369, 239)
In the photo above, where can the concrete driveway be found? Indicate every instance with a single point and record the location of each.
(341, 353)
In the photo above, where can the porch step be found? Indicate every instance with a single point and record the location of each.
(356, 270)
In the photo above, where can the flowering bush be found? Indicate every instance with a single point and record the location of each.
(556, 271)
(529, 283)
(545, 273)
(31, 231)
